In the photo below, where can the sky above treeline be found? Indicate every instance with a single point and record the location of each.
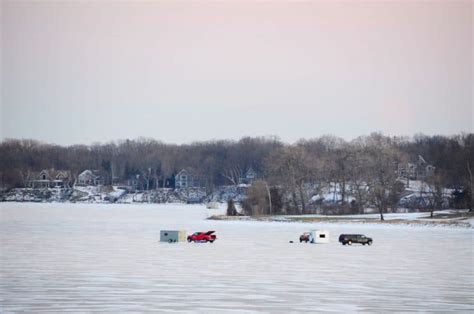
(94, 71)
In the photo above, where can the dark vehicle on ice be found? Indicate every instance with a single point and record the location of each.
(202, 237)
(355, 238)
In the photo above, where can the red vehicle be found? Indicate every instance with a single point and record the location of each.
(306, 237)
(202, 237)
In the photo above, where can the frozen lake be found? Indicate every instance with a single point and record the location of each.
(107, 258)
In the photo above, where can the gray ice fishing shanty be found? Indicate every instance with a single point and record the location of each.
(172, 236)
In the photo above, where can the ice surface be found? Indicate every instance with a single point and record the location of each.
(108, 258)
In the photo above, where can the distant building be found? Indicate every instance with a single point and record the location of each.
(420, 170)
(248, 177)
(407, 170)
(135, 182)
(89, 177)
(185, 179)
(423, 169)
(50, 178)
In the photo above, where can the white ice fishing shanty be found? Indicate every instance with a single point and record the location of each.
(320, 236)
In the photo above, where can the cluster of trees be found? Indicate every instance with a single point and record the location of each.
(212, 161)
(364, 168)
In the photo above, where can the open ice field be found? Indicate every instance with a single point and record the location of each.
(107, 258)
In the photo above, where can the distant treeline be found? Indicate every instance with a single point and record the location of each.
(368, 163)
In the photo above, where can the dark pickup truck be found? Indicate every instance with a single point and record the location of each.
(354, 238)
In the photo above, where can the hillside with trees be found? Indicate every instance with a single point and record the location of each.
(364, 170)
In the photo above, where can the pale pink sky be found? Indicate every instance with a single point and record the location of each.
(85, 71)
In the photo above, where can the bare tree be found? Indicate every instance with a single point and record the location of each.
(341, 169)
(291, 167)
(466, 142)
(233, 174)
(257, 201)
(435, 193)
(383, 177)
(231, 210)
(471, 185)
(359, 164)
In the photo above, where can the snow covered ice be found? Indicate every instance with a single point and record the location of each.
(108, 258)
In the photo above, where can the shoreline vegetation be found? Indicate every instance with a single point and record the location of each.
(321, 175)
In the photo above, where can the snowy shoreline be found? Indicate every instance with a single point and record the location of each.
(451, 219)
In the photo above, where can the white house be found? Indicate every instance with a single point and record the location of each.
(89, 177)
(186, 179)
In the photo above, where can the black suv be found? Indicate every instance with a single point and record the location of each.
(354, 238)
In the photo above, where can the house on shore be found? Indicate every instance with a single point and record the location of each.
(248, 177)
(50, 178)
(423, 169)
(186, 178)
(419, 170)
(89, 177)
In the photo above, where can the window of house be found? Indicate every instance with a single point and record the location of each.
(44, 177)
(183, 177)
